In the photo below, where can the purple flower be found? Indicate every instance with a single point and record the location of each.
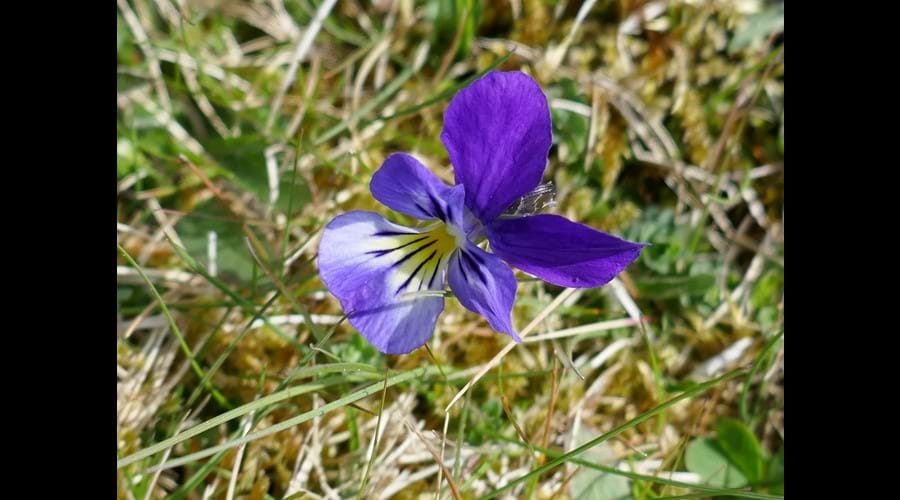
(390, 278)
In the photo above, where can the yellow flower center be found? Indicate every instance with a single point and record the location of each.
(420, 259)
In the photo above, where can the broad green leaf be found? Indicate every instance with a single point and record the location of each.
(742, 448)
(704, 457)
(759, 26)
(291, 185)
(123, 294)
(588, 483)
(233, 259)
(244, 157)
(775, 476)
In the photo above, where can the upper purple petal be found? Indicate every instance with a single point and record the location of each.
(497, 132)
(405, 185)
(485, 285)
(377, 270)
(560, 251)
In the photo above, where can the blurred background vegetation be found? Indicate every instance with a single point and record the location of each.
(244, 126)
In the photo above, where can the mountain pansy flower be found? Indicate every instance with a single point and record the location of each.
(390, 278)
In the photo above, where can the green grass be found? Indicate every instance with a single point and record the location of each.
(669, 133)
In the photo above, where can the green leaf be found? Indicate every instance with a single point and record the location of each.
(445, 14)
(759, 26)
(123, 294)
(233, 259)
(124, 38)
(487, 420)
(776, 473)
(767, 289)
(570, 129)
(592, 483)
(781, 134)
(667, 287)
(244, 157)
(704, 457)
(356, 350)
(292, 186)
(742, 448)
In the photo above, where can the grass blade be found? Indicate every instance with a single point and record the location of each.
(299, 419)
(745, 392)
(450, 92)
(247, 408)
(699, 389)
(707, 490)
(181, 341)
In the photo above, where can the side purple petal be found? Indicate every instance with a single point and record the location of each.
(484, 285)
(560, 251)
(405, 185)
(454, 207)
(497, 132)
(378, 270)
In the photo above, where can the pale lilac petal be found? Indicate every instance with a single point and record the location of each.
(484, 285)
(560, 251)
(405, 185)
(378, 271)
(497, 132)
